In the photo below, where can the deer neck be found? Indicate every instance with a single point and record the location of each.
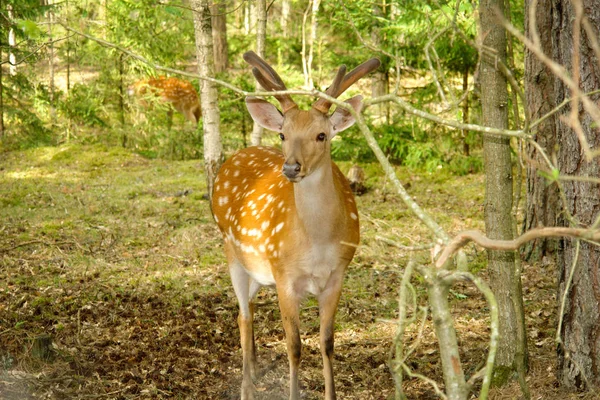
(318, 203)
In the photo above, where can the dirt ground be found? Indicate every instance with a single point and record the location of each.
(114, 260)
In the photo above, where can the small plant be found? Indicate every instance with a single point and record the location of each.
(82, 105)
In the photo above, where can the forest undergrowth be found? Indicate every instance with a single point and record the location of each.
(113, 285)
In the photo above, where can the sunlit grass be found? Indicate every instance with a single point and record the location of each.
(99, 245)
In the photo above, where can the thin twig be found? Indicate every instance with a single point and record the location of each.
(402, 247)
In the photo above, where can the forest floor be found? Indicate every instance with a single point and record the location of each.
(115, 260)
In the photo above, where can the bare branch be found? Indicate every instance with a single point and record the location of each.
(402, 247)
(465, 237)
(454, 124)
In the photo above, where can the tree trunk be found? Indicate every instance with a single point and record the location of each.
(579, 354)
(122, 94)
(542, 199)
(51, 62)
(261, 38)
(213, 149)
(379, 80)
(248, 17)
(285, 15)
(305, 67)
(465, 132)
(12, 43)
(1, 100)
(219, 31)
(314, 26)
(505, 279)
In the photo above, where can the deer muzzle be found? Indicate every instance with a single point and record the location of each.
(292, 171)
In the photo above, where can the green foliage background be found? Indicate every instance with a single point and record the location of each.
(95, 108)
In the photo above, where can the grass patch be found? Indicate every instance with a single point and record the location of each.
(116, 257)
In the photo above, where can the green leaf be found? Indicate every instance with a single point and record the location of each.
(30, 28)
(173, 10)
(459, 296)
(552, 176)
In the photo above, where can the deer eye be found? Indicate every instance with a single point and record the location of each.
(282, 137)
(321, 137)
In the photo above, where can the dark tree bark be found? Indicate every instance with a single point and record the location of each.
(542, 199)
(219, 30)
(505, 279)
(579, 356)
(579, 350)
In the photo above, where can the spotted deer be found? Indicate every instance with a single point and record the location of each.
(179, 93)
(288, 218)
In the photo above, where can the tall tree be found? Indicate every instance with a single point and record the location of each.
(562, 135)
(12, 43)
(308, 43)
(379, 79)
(285, 15)
(1, 100)
(261, 40)
(213, 148)
(542, 204)
(505, 278)
(219, 27)
(573, 47)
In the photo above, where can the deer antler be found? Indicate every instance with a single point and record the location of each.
(343, 82)
(269, 79)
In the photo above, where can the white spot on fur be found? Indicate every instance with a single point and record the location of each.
(278, 227)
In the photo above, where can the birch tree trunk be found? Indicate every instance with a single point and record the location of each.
(505, 279)
(379, 80)
(261, 38)
(314, 25)
(12, 43)
(285, 16)
(308, 43)
(213, 149)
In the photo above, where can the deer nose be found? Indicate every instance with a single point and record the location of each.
(291, 171)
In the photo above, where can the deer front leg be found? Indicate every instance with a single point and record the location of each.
(328, 302)
(288, 305)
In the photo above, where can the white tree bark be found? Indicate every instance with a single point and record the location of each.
(285, 15)
(309, 42)
(213, 149)
(314, 24)
(12, 43)
(261, 38)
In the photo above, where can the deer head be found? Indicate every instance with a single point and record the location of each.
(305, 135)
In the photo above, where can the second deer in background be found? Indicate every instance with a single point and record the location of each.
(178, 93)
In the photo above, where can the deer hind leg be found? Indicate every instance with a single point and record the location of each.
(289, 307)
(245, 289)
(328, 302)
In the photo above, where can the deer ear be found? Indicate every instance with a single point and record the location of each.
(264, 113)
(341, 119)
